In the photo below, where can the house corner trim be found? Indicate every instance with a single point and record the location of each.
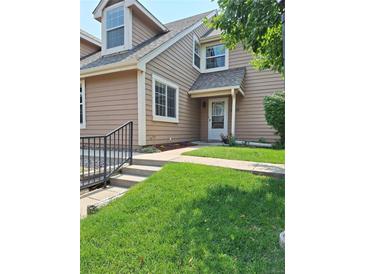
(141, 87)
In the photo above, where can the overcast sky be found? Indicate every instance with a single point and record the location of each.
(165, 10)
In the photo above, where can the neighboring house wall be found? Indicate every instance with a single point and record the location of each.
(141, 31)
(175, 65)
(111, 100)
(87, 48)
(250, 116)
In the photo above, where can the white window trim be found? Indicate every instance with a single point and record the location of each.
(127, 30)
(171, 84)
(203, 60)
(195, 39)
(83, 124)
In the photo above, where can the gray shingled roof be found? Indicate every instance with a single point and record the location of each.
(141, 50)
(219, 79)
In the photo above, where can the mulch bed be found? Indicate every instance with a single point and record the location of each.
(166, 147)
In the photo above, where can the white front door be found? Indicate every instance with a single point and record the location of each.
(217, 118)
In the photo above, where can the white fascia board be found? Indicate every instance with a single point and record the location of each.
(115, 67)
(198, 91)
(211, 39)
(90, 38)
(148, 57)
(138, 5)
(98, 11)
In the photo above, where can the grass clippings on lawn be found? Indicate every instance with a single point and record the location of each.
(189, 218)
(263, 155)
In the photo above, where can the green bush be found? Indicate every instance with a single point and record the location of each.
(275, 113)
(231, 140)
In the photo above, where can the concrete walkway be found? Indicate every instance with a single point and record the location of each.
(274, 170)
(98, 197)
(145, 164)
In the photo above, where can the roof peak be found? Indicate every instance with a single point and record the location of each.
(190, 17)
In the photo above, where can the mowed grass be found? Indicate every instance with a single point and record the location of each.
(189, 218)
(264, 155)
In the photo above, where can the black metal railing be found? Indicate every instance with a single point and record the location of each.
(103, 155)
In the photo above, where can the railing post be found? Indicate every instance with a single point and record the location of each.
(131, 145)
(105, 161)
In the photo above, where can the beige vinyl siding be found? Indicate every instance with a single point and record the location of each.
(87, 48)
(175, 65)
(141, 31)
(111, 100)
(250, 116)
(204, 119)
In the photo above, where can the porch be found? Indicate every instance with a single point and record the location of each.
(218, 93)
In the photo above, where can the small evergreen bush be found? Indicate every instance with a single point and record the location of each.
(274, 106)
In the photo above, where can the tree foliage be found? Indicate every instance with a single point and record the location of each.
(257, 25)
(274, 106)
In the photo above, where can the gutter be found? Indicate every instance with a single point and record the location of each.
(110, 68)
(141, 63)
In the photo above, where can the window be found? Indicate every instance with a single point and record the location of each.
(215, 57)
(165, 100)
(114, 27)
(196, 53)
(218, 114)
(82, 104)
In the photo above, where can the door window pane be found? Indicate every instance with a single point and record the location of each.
(217, 114)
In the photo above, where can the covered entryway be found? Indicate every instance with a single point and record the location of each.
(217, 92)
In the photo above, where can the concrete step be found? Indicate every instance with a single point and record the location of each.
(125, 180)
(149, 162)
(140, 170)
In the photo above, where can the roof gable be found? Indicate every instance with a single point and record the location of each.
(133, 5)
(152, 47)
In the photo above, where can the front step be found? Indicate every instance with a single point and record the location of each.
(140, 170)
(125, 180)
(149, 162)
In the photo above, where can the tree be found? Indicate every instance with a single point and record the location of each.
(274, 106)
(257, 25)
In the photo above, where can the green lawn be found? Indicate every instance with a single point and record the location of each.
(265, 155)
(189, 219)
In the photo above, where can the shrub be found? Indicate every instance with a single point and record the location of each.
(228, 139)
(231, 140)
(274, 106)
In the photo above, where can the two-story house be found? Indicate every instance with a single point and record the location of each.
(176, 81)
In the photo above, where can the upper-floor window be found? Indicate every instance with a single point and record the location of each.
(196, 53)
(114, 27)
(215, 56)
(165, 100)
(82, 104)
